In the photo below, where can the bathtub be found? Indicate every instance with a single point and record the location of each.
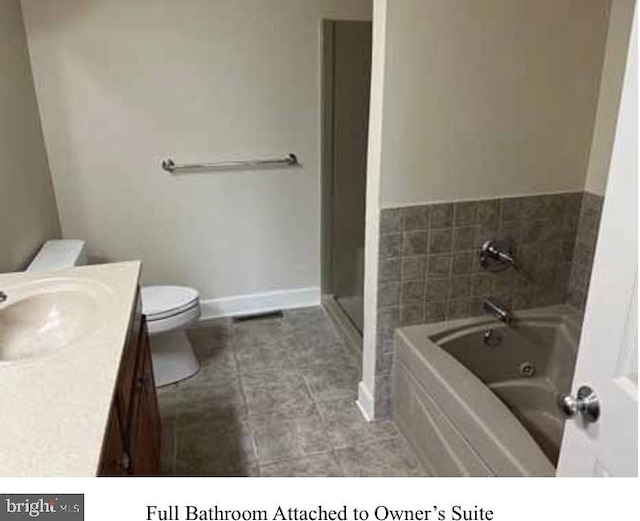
(476, 397)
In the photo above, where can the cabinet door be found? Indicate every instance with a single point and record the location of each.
(128, 368)
(115, 460)
(145, 440)
(153, 409)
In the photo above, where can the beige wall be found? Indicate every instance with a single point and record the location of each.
(609, 100)
(123, 84)
(27, 205)
(490, 98)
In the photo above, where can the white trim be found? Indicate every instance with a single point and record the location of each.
(365, 402)
(259, 303)
(372, 223)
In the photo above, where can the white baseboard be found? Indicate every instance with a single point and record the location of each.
(365, 402)
(259, 303)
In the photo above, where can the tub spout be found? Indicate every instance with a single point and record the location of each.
(498, 311)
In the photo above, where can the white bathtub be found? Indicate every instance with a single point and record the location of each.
(471, 409)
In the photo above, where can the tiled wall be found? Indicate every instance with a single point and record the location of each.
(586, 237)
(429, 269)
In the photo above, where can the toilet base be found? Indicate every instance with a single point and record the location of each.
(173, 358)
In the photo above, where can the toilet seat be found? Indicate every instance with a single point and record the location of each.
(169, 307)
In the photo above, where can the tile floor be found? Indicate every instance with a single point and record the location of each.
(275, 397)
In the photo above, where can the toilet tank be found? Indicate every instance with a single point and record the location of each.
(59, 254)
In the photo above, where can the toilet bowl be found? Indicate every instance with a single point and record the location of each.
(168, 311)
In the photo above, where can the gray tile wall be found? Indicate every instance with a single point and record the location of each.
(429, 269)
(586, 237)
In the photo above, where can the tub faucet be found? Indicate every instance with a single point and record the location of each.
(498, 311)
(3, 297)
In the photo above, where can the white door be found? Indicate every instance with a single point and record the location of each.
(608, 357)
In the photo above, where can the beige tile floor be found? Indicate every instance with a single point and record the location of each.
(275, 397)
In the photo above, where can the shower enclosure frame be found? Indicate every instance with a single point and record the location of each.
(328, 264)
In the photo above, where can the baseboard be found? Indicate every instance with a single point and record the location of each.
(259, 303)
(365, 402)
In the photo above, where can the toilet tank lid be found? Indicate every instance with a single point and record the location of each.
(58, 254)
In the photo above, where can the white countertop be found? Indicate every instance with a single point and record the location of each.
(55, 408)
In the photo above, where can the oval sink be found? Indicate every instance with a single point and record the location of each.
(41, 318)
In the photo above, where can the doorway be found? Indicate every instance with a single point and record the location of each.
(346, 85)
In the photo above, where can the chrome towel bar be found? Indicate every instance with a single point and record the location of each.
(289, 160)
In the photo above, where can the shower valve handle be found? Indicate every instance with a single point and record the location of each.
(496, 255)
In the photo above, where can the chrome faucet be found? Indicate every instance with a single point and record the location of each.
(501, 313)
(3, 297)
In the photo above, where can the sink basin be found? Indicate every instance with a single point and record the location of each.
(39, 318)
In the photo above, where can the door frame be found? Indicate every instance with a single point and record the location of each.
(326, 157)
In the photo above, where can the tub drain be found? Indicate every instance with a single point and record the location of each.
(527, 369)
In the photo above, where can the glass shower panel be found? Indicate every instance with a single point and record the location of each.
(351, 75)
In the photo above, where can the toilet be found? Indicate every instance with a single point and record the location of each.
(168, 311)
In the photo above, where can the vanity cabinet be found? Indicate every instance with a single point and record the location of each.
(132, 441)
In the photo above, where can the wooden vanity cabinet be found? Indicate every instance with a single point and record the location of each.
(113, 453)
(144, 426)
(133, 437)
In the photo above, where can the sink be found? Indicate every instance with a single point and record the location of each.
(39, 318)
